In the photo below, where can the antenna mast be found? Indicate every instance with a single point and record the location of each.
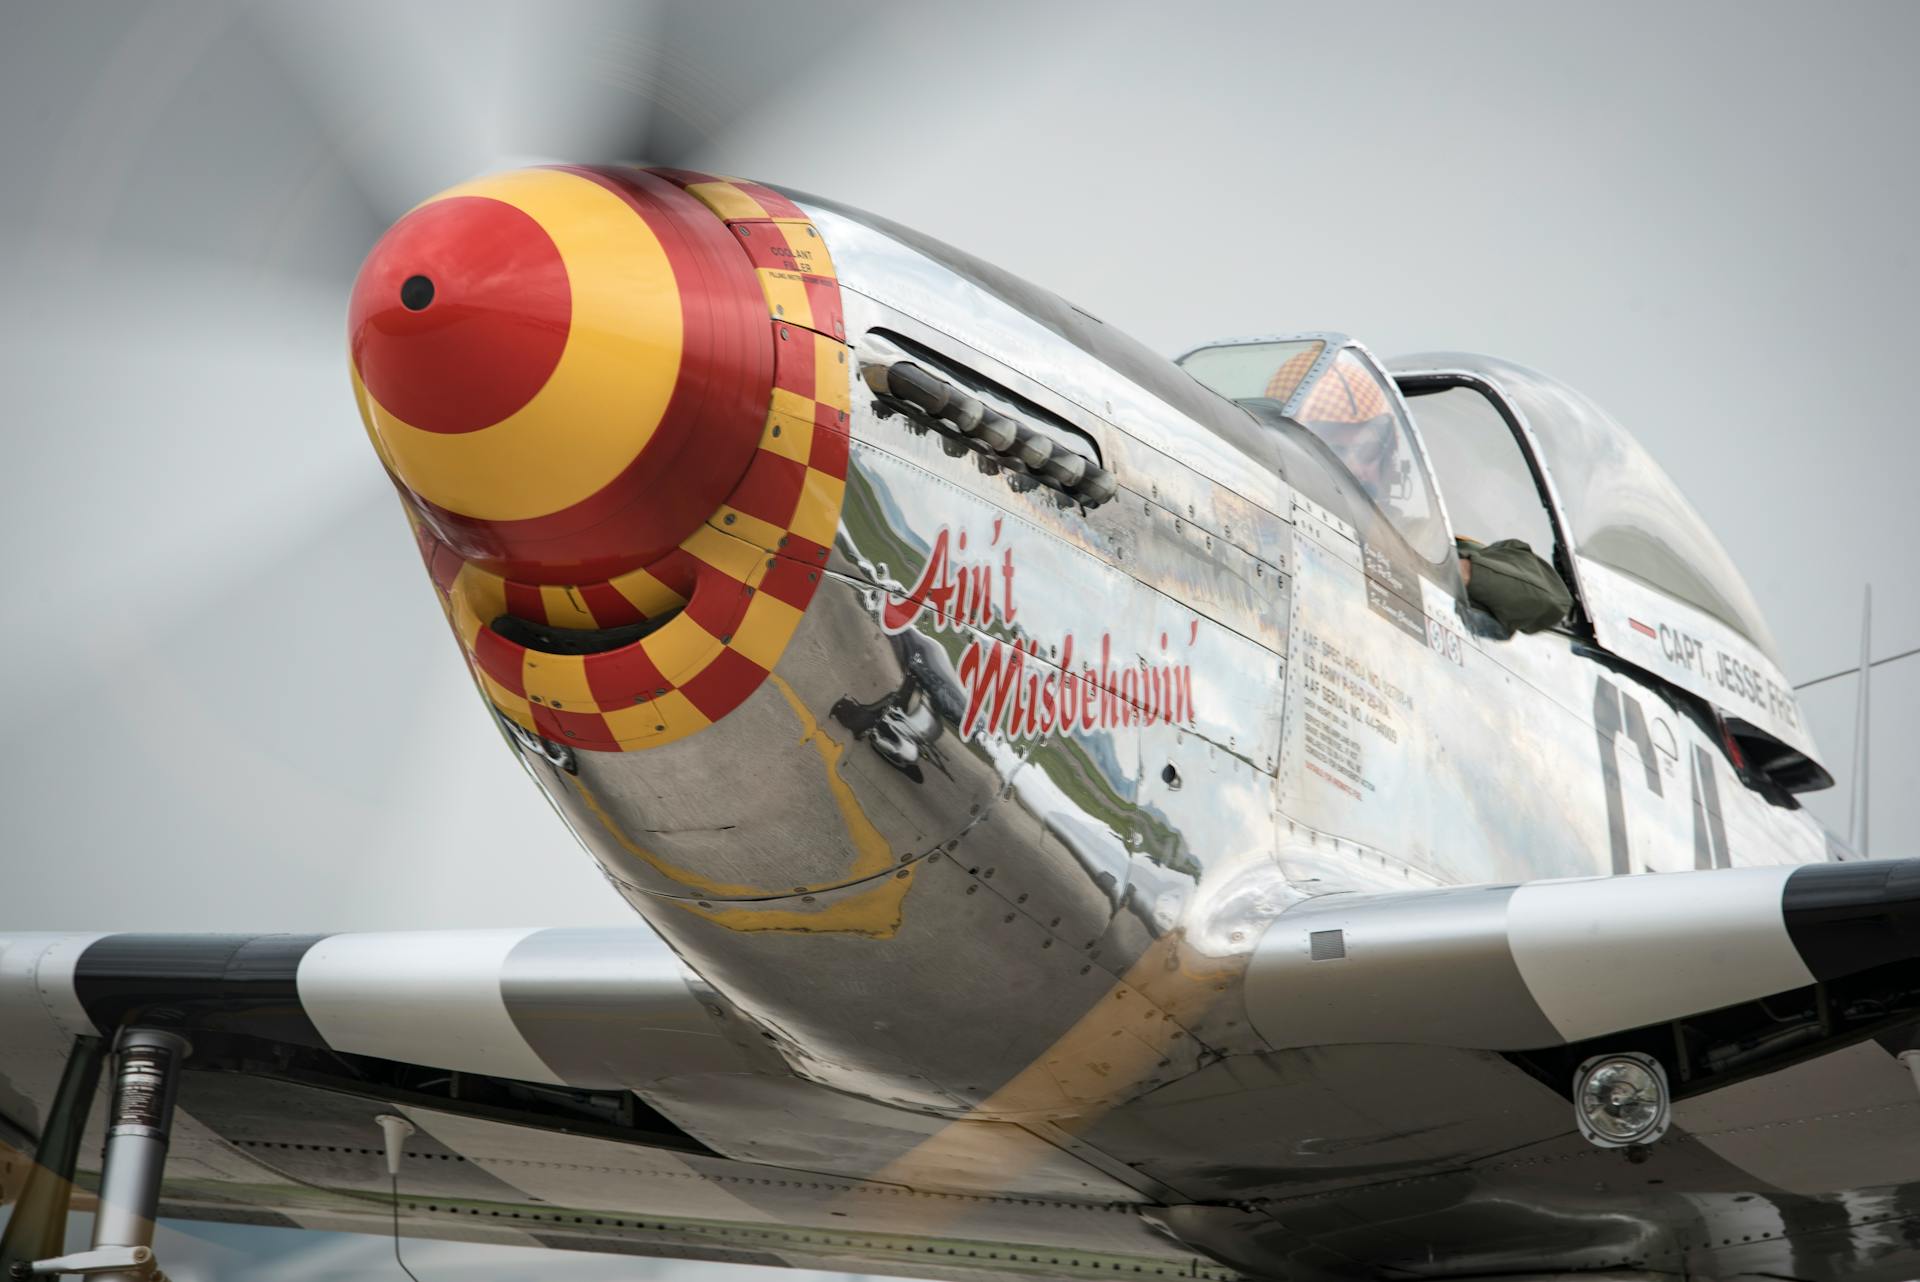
(1857, 821)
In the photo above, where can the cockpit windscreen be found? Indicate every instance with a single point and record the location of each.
(1346, 403)
(1248, 371)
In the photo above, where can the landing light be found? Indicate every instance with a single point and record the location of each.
(1621, 1100)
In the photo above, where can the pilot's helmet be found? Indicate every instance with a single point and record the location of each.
(1286, 379)
(1347, 408)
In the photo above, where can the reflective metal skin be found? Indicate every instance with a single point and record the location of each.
(1151, 845)
(1000, 833)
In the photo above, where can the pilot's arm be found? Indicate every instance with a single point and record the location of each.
(1511, 583)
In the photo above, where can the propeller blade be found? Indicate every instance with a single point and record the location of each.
(421, 96)
(404, 92)
(166, 132)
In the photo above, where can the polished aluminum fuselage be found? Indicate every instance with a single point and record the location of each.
(1000, 838)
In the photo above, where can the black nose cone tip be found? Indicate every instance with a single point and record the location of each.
(415, 293)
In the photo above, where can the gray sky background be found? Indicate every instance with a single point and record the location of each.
(236, 703)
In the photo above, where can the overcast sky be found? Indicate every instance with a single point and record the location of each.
(236, 703)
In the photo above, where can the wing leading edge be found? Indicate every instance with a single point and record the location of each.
(531, 1062)
(1551, 965)
(524, 1058)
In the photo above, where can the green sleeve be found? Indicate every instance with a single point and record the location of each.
(1514, 585)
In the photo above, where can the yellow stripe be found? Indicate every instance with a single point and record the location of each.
(786, 296)
(789, 435)
(816, 516)
(732, 557)
(364, 399)
(831, 386)
(808, 249)
(515, 707)
(726, 200)
(872, 852)
(639, 724)
(874, 912)
(678, 876)
(478, 599)
(563, 609)
(1113, 1051)
(606, 396)
(635, 727)
(646, 594)
(792, 405)
(466, 624)
(682, 649)
(764, 632)
(557, 679)
(762, 534)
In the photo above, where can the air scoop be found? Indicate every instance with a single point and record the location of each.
(566, 369)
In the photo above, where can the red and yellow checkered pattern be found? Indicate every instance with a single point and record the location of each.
(739, 583)
(1286, 379)
(1346, 393)
(633, 597)
(788, 254)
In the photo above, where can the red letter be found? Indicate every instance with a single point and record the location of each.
(1107, 717)
(1183, 692)
(1031, 703)
(1069, 687)
(898, 615)
(996, 673)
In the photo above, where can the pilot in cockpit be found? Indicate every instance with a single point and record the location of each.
(1348, 409)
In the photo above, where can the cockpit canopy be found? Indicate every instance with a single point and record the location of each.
(1619, 507)
(1513, 448)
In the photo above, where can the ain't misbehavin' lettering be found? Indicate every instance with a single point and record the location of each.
(1011, 686)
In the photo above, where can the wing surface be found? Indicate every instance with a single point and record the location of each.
(525, 1060)
(1783, 1002)
(1582, 962)
(572, 1090)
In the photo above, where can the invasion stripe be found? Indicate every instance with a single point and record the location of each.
(246, 980)
(420, 998)
(1677, 944)
(1849, 917)
(605, 1009)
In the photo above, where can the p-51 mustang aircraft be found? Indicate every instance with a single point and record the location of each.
(1110, 822)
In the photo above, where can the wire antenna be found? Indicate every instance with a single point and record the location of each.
(394, 1130)
(1881, 662)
